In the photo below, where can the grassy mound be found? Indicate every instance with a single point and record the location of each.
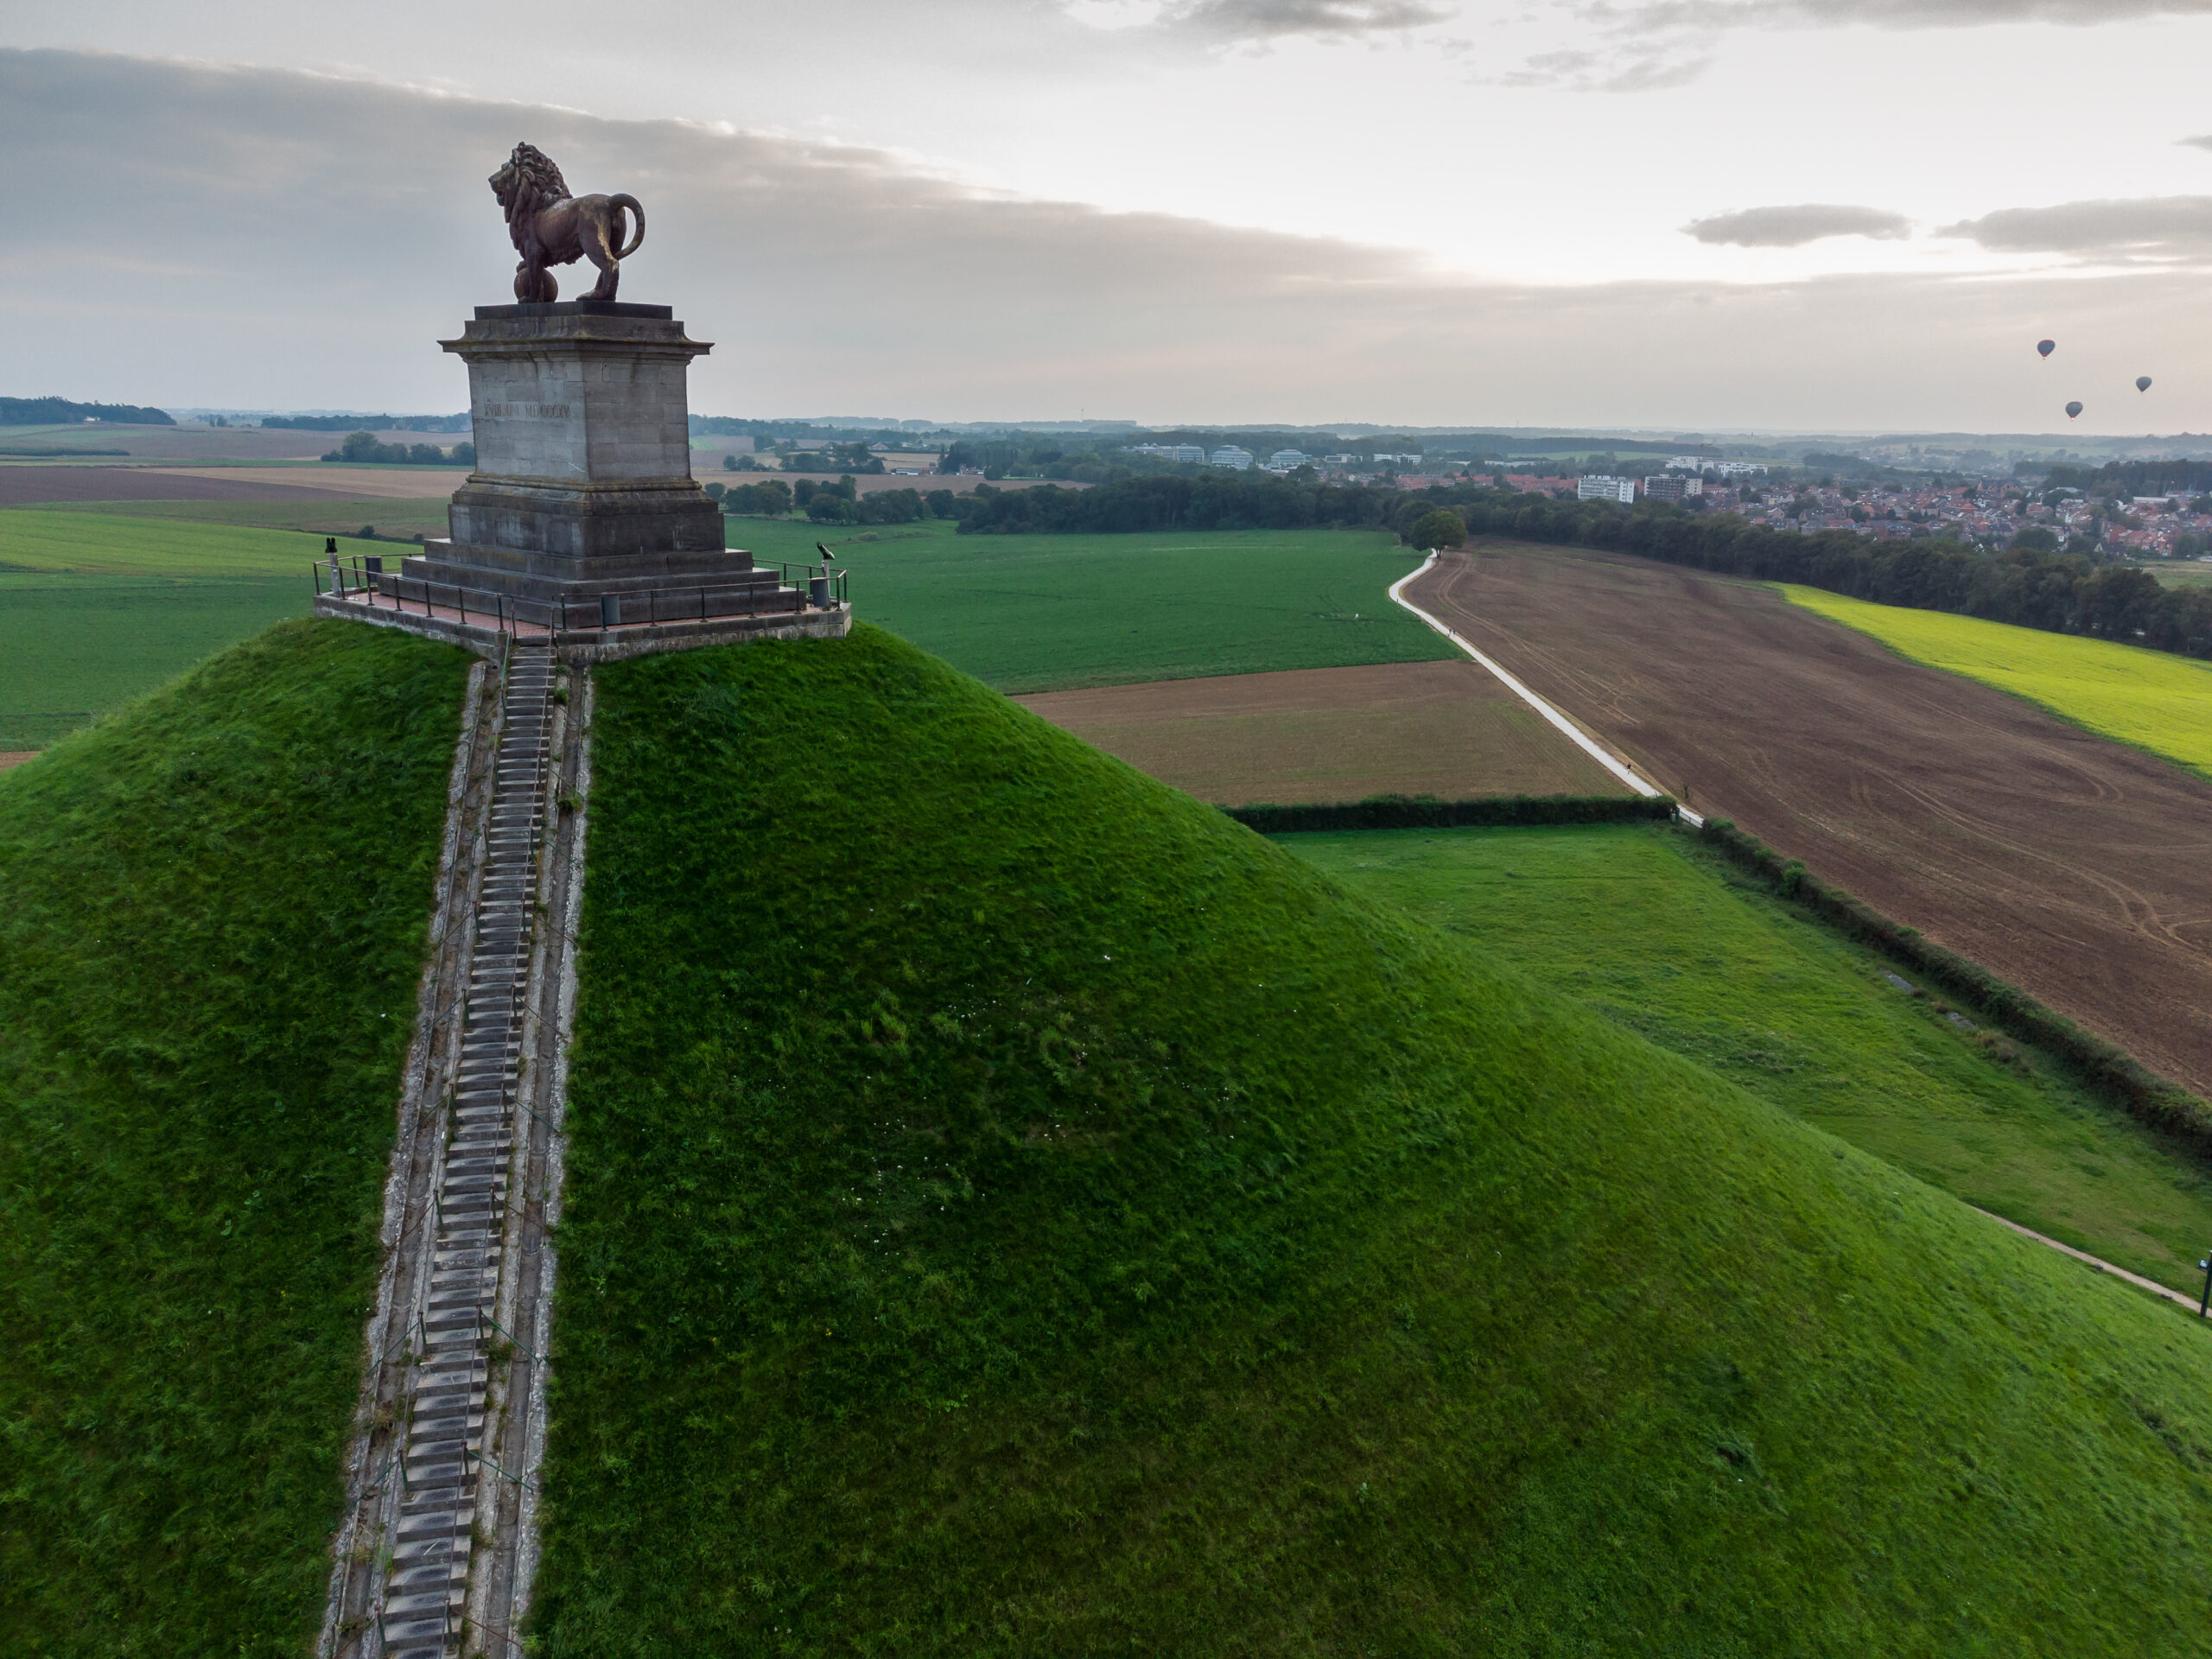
(1014, 1210)
(212, 911)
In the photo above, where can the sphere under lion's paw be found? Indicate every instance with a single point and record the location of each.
(536, 286)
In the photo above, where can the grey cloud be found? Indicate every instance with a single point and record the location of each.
(1793, 227)
(1661, 43)
(190, 235)
(1708, 14)
(1635, 68)
(2202, 141)
(2143, 228)
(1260, 20)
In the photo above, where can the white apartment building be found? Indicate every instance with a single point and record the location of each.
(1192, 453)
(1283, 460)
(1599, 487)
(1231, 456)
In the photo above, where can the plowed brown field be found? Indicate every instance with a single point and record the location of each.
(25, 486)
(1448, 729)
(2077, 868)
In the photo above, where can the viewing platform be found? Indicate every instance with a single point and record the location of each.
(779, 601)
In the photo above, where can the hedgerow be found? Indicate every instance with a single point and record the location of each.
(1425, 812)
(2104, 1066)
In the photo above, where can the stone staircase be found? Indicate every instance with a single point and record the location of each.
(442, 1460)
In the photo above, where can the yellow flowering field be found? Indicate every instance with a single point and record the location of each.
(2149, 698)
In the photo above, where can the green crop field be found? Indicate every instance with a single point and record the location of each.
(1641, 925)
(212, 915)
(332, 515)
(1013, 1209)
(73, 538)
(1053, 612)
(2150, 698)
(97, 608)
(74, 648)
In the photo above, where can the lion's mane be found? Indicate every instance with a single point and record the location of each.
(533, 183)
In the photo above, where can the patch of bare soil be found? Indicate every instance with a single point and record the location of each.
(21, 487)
(1445, 728)
(2077, 868)
(362, 483)
(14, 756)
(185, 444)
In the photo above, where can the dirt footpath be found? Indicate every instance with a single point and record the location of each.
(1446, 729)
(2071, 865)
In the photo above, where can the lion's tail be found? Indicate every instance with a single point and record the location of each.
(638, 208)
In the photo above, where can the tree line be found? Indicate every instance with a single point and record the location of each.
(2031, 586)
(365, 446)
(60, 411)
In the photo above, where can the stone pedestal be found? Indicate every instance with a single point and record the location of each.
(583, 483)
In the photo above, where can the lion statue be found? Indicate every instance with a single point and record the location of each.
(551, 227)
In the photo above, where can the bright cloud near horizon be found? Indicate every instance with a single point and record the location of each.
(1840, 215)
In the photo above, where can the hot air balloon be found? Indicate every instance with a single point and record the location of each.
(2072, 410)
(2142, 382)
(2045, 347)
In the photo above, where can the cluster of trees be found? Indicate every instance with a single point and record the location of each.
(363, 446)
(840, 502)
(60, 411)
(769, 499)
(2118, 478)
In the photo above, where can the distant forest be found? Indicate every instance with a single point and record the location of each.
(60, 411)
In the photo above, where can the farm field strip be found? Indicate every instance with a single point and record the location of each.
(1574, 733)
(1446, 729)
(1644, 926)
(1056, 613)
(2152, 699)
(309, 512)
(2066, 863)
(63, 541)
(74, 648)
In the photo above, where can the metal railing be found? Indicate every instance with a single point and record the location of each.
(363, 578)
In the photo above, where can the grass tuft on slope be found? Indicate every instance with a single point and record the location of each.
(1012, 1209)
(212, 918)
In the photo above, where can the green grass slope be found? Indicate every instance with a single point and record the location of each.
(1013, 1209)
(213, 914)
(1643, 924)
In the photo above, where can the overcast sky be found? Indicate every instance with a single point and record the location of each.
(1827, 215)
